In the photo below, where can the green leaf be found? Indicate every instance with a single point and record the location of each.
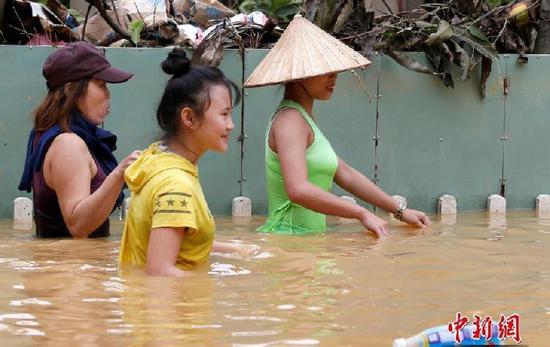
(496, 3)
(136, 26)
(482, 46)
(287, 10)
(477, 33)
(273, 8)
(248, 6)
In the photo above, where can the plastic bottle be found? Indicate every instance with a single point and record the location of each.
(441, 337)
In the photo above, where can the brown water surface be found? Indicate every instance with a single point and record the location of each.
(345, 288)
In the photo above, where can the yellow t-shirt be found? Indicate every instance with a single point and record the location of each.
(166, 192)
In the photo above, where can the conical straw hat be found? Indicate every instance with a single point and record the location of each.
(304, 50)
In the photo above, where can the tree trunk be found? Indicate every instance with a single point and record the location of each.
(542, 44)
(2, 5)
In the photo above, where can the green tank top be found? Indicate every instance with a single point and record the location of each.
(286, 217)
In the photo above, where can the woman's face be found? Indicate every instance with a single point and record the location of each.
(320, 87)
(95, 104)
(217, 123)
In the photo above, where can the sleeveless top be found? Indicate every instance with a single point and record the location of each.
(47, 213)
(284, 216)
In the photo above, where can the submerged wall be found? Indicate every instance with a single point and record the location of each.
(431, 140)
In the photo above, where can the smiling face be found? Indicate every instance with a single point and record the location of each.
(320, 87)
(95, 104)
(217, 123)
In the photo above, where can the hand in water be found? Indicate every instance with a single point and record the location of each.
(247, 251)
(415, 218)
(374, 223)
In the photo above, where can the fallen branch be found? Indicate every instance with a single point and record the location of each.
(103, 12)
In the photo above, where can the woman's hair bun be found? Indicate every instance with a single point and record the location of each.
(176, 63)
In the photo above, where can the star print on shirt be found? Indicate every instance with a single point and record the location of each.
(166, 203)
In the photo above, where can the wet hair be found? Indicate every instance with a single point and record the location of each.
(188, 87)
(58, 104)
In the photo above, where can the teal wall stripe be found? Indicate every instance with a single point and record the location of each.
(432, 140)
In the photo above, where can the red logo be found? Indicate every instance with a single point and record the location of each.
(482, 327)
(456, 326)
(508, 327)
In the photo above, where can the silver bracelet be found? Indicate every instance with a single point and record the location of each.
(398, 214)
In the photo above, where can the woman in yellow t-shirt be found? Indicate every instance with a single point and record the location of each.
(169, 227)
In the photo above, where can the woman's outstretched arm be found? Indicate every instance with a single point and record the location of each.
(361, 186)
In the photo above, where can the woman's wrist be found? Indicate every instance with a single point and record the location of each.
(361, 213)
(118, 174)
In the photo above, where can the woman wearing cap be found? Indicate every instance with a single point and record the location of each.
(169, 228)
(75, 178)
(300, 162)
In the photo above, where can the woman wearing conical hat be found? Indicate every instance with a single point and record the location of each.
(300, 162)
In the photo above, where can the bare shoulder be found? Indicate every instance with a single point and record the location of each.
(290, 118)
(289, 114)
(68, 157)
(67, 143)
(67, 150)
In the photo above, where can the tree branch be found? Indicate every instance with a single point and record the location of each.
(99, 5)
(83, 36)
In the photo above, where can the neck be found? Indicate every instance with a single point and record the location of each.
(185, 150)
(296, 92)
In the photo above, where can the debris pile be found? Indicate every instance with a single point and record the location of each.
(464, 33)
(133, 23)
